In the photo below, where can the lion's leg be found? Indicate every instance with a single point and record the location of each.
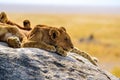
(40, 45)
(14, 42)
(61, 51)
(85, 55)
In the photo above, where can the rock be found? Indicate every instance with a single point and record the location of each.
(37, 64)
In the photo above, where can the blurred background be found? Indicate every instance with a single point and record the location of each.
(94, 25)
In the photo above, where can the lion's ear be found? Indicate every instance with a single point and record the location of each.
(54, 33)
(63, 29)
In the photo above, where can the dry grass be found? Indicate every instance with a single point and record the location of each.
(116, 71)
(105, 28)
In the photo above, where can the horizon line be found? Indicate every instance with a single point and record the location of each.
(59, 9)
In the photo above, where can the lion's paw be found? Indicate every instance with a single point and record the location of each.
(95, 59)
(61, 52)
(14, 42)
(51, 48)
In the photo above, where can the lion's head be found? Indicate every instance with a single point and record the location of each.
(61, 38)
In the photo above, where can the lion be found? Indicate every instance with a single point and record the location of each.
(49, 38)
(11, 35)
(11, 32)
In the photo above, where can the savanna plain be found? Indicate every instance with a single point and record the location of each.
(97, 34)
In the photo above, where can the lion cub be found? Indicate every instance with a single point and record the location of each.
(49, 38)
(11, 32)
(11, 35)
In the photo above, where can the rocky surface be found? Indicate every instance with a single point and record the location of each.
(37, 64)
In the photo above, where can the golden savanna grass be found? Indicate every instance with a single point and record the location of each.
(105, 29)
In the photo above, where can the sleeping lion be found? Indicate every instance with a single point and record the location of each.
(49, 38)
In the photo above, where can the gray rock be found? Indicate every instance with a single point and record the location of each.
(37, 64)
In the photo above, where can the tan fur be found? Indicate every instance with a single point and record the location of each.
(49, 38)
(11, 35)
(93, 60)
(11, 32)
